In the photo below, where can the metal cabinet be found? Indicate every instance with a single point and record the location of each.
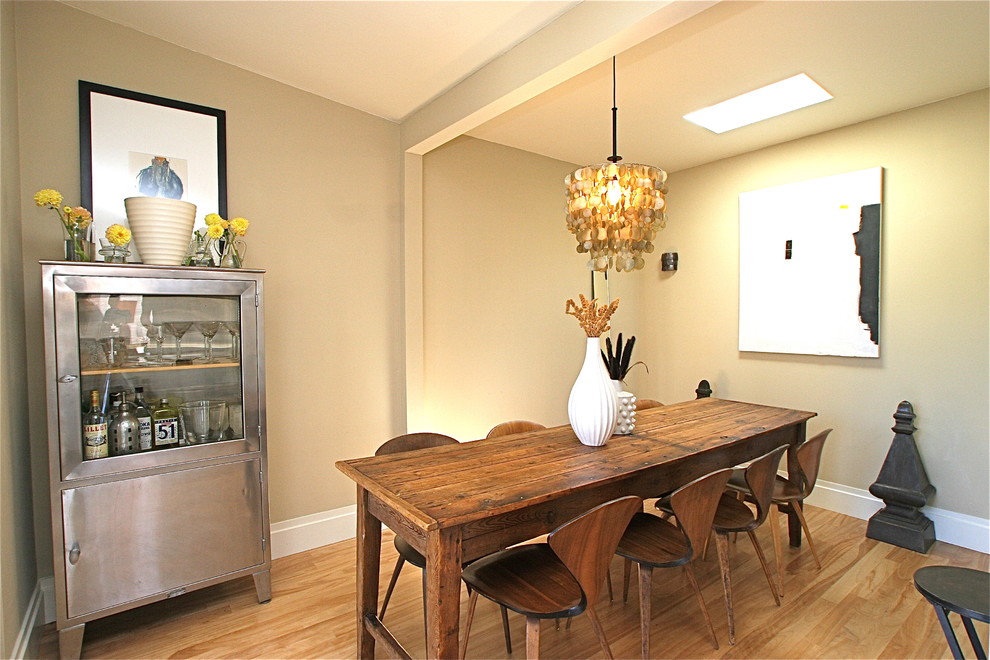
(145, 525)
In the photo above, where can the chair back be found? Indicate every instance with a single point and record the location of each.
(694, 506)
(515, 426)
(586, 543)
(760, 476)
(412, 441)
(809, 456)
(645, 404)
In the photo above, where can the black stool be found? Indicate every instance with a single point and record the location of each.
(964, 591)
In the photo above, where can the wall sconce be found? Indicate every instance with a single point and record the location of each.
(668, 261)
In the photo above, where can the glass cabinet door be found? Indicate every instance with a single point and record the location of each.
(162, 363)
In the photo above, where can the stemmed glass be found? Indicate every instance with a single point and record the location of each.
(209, 330)
(157, 335)
(234, 328)
(178, 329)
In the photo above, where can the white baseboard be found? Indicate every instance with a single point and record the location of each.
(29, 636)
(312, 531)
(950, 527)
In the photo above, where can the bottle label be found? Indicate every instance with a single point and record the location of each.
(95, 441)
(166, 431)
(145, 430)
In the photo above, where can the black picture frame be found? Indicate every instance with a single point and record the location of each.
(118, 126)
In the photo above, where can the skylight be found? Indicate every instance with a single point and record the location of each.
(775, 99)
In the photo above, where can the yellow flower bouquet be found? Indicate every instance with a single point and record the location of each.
(74, 219)
(224, 234)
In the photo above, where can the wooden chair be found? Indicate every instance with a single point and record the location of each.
(653, 542)
(732, 515)
(790, 497)
(407, 553)
(559, 578)
(644, 404)
(516, 426)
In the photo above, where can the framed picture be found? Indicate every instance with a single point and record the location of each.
(137, 145)
(809, 266)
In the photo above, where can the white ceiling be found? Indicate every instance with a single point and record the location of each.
(392, 58)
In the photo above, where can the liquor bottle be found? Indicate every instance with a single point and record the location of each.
(143, 414)
(165, 425)
(125, 429)
(95, 440)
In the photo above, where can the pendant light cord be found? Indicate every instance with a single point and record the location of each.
(615, 157)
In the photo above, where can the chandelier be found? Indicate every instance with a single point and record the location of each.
(615, 209)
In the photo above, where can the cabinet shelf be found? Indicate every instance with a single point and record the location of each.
(165, 367)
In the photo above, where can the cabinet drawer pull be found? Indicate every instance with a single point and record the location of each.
(68, 378)
(74, 554)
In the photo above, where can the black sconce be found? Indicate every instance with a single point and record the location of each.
(668, 261)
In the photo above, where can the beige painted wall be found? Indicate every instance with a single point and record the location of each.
(498, 266)
(317, 180)
(934, 295)
(17, 563)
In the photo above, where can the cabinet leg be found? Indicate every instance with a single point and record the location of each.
(263, 585)
(70, 642)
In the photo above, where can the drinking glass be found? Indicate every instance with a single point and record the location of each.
(209, 330)
(156, 334)
(178, 329)
(234, 328)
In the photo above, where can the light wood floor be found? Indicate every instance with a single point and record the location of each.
(862, 604)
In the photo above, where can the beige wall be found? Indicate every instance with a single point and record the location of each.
(498, 266)
(933, 319)
(318, 181)
(17, 548)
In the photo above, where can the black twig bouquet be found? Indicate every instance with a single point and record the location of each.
(617, 362)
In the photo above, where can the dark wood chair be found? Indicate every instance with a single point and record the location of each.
(515, 426)
(407, 553)
(645, 404)
(559, 578)
(789, 496)
(653, 542)
(732, 515)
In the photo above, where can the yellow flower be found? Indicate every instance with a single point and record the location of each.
(78, 216)
(118, 234)
(239, 226)
(214, 230)
(48, 197)
(213, 219)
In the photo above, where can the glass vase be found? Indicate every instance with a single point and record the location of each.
(77, 248)
(231, 253)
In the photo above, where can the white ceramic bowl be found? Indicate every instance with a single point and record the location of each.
(161, 228)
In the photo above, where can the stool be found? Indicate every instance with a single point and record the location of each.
(965, 591)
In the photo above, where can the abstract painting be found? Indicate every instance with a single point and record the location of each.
(809, 266)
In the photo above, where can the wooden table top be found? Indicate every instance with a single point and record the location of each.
(456, 484)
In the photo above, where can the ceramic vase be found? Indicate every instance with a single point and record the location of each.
(161, 228)
(592, 407)
(626, 422)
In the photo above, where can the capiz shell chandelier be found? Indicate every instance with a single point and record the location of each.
(615, 209)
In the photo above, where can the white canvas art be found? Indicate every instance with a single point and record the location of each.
(809, 266)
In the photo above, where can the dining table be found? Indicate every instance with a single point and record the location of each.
(459, 502)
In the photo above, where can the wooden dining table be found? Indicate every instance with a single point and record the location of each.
(460, 502)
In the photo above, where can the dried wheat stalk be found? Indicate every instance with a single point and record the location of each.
(592, 316)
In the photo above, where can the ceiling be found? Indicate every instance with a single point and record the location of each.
(391, 59)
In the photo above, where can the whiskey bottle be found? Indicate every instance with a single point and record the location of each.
(94, 423)
(165, 425)
(144, 420)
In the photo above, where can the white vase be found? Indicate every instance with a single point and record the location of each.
(161, 228)
(626, 422)
(592, 407)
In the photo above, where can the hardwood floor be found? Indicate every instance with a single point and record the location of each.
(862, 604)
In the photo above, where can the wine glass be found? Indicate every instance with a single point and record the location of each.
(156, 334)
(209, 330)
(178, 329)
(234, 328)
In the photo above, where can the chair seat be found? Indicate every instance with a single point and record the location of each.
(783, 489)
(409, 553)
(733, 515)
(654, 541)
(528, 579)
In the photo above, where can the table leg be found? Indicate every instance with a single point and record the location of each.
(443, 585)
(950, 635)
(369, 551)
(794, 476)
